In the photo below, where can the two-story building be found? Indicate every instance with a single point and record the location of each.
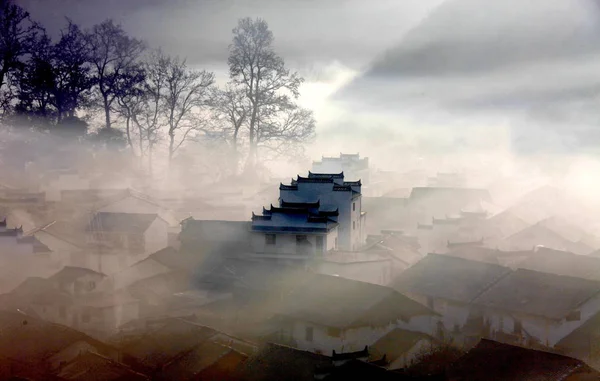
(296, 229)
(135, 233)
(332, 193)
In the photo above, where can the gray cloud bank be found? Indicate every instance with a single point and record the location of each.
(533, 62)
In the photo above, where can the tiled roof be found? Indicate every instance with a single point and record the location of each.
(275, 362)
(540, 294)
(493, 361)
(562, 263)
(397, 343)
(92, 366)
(312, 175)
(70, 274)
(121, 222)
(451, 278)
(342, 303)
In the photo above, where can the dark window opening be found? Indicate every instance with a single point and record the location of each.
(353, 225)
(270, 239)
(353, 206)
(309, 334)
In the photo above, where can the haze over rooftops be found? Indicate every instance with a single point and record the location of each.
(70, 274)
(447, 277)
(121, 222)
(337, 302)
(539, 294)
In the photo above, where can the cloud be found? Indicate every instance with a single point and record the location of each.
(535, 63)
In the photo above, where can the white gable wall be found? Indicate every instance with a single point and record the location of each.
(156, 236)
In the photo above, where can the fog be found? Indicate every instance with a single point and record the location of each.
(412, 189)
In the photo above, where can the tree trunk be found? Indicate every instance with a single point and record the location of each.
(107, 111)
(171, 148)
(127, 127)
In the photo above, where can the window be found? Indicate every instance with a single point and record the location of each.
(270, 239)
(91, 286)
(308, 334)
(86, 317)
(353, 206)
(353, 225)
(62, 312)
(301, 238)
(320, 244)
(334, 332)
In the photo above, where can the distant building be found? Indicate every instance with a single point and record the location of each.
(352, 165)
(530, 307)
(135, 233)
(448, 285)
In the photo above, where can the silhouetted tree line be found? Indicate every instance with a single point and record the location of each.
(144, 97)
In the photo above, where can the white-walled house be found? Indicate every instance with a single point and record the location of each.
(448, 285)
(325, 313)
(302, 230)
(352, 165)
(529, 306)
(333, 193)
(134, 233)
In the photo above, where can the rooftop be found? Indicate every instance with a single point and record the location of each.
(70, 274)
(540, 294)
(343, 303)
(121, 222)
(489, 361)
(447, 277)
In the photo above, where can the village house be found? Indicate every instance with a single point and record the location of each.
(132, 233)
(448, 285)
(44, 347)
(323, 313)
(540, 234)
(23, 256)
(401, 249)
(533, 308)
(299, 229)
(352, 165)
(560, 262)
(331, 193)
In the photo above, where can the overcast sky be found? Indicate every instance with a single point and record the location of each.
(462, 72)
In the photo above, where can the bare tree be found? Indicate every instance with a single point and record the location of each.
(261, 74)
(72, 76)
(112, 52)
(18, 34)
(187, 95)
(284, 132)
(149, 117)
(231, 107)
